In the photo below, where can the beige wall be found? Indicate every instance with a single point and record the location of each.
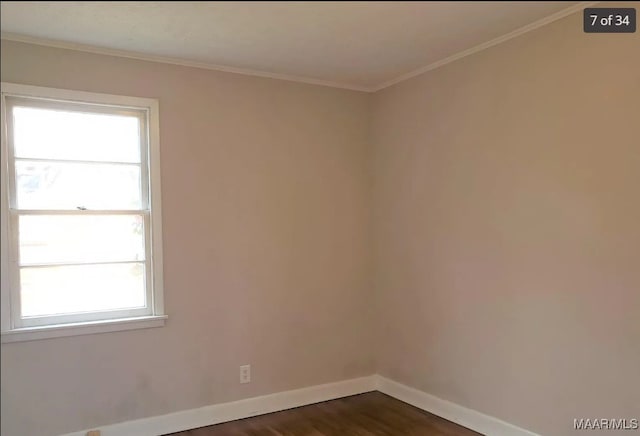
(265, 219)
(507, 229)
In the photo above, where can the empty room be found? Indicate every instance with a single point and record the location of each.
(298, 218)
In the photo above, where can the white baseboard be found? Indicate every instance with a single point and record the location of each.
(484, 424)
(218, 413)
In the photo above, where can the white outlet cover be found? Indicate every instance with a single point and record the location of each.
(245, 373)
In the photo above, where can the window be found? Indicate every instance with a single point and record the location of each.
(81, 237)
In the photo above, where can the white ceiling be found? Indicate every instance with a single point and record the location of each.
(360, 45)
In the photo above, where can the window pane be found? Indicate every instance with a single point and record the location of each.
(56, 134)
(88, 238)
(86, 288)
(56, 185)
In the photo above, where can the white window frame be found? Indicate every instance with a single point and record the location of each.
(13, 326)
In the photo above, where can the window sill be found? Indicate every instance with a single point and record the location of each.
(82, 328)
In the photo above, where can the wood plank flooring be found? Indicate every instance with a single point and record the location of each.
(367, 414)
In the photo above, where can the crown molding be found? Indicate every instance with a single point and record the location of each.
(485, 45)
(174, 61)
(292, 78)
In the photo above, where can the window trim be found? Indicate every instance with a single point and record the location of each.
(15, 331)
(142, 114)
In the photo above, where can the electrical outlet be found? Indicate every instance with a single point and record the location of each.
(245, 373)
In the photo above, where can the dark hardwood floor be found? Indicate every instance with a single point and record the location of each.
(367, 414)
